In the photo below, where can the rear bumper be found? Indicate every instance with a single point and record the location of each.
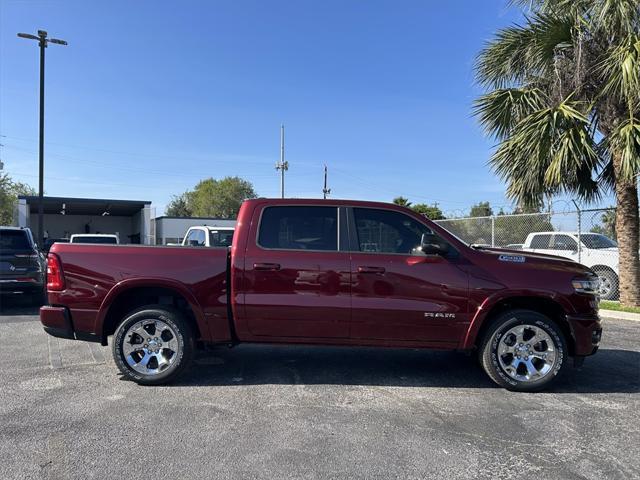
(57, 322)
(587, 332)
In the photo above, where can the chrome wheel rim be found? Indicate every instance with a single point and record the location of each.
(605, 286)
(527, 353)
(150, 347)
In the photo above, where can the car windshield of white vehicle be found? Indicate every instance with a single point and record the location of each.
(595, 240)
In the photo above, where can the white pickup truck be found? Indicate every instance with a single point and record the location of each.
(206, 236)
(597, 252)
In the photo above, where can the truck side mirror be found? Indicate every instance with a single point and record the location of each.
(433, 245)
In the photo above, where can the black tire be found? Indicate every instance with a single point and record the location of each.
(498, 331)
(181, 358)
(609, 281)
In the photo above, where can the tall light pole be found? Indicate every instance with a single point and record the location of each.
(282, 165)
(42, 42)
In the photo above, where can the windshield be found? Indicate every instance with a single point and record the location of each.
(109, 240)
(595, 240)
(220, 238)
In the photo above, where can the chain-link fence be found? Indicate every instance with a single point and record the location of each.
(586, 236)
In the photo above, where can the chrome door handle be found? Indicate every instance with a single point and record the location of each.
(367, 269)
(266, 266)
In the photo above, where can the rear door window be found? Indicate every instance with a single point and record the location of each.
(564, 242)
(299, 228)
(222, 238)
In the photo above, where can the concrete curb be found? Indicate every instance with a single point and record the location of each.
(614, 314)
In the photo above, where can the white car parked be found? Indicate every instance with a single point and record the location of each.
(597, 252)
(205, 236)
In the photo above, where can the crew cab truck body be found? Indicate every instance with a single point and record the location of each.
(326, 272)
(597, 252)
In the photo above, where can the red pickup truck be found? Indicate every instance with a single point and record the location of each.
(326, 272)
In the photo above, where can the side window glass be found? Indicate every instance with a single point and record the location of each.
(299, 228)
(200, 238)
(564, 242)
(386, 231)
(540, 241)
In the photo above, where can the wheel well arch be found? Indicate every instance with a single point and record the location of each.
(139, 296)
(543, 305)
(600, 268)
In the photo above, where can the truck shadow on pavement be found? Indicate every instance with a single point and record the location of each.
(18, 305)
(610, 371)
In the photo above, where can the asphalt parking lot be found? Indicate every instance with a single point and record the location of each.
(300, 412)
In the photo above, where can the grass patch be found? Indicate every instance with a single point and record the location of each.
(607, 305)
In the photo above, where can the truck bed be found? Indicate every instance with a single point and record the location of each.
(96, 275)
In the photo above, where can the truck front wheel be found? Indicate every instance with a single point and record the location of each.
(523, 351)
(153, 345)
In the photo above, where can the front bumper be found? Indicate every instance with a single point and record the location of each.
(587, 333)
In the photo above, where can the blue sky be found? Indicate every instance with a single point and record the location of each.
(151, 96)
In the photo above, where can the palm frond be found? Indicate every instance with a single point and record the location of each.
(620, 70)
(548, 152)
(624, 141)
(501, 110)
(619, 17)
(521, 52)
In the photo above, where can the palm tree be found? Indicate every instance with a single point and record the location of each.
(402, 201)
(563, 101)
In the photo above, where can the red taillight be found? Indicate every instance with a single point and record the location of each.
(55, 280)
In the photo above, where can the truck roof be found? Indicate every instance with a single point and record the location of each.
(212, 227)
(321, 201)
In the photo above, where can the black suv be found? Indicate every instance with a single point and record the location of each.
(22, 266)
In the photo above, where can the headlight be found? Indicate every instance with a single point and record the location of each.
(586, 285)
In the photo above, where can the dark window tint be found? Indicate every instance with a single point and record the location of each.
(385, 231)
(220, 238)
(595, 240)
(299, 228)
(540, 241)
(14, 240)
(103, 240)
(564, 242)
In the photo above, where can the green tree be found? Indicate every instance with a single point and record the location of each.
(481, 209)
(432, 212)
(402, 201)
(219, 198)
(9, 191)
(607, 225)
(179, 206)
(563, 101)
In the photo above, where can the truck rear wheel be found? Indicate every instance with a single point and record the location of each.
(153, 345)
(523, 351)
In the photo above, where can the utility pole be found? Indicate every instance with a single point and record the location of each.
(325, 191)
(282, 165)
(42, 42)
